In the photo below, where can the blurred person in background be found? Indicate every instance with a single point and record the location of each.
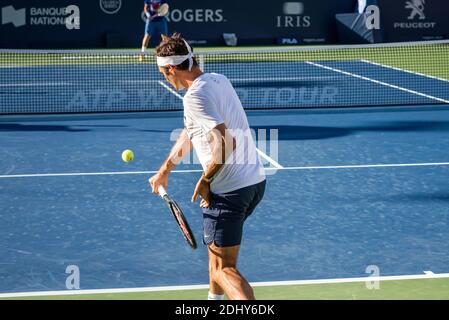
(155, 25)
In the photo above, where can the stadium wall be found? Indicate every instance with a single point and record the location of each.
(119, 23)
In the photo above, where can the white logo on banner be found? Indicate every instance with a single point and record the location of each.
(196, 15)
(193, 15)
(16, 17)
(66, 16)
(417, 7)
(417, 13)
(110, 6)
(293, 16)
(293, 8)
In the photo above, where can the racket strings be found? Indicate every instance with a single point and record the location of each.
(184, 227)
(163, 9)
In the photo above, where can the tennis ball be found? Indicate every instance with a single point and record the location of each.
(127, 155)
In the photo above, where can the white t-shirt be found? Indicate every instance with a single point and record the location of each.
(211, 100)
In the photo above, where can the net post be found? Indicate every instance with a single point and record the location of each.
(201, 61)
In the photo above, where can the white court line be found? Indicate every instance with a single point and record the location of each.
(273, 162)
(277, 167)
(170, 89)
(101, 56)
(140, 81)
(70, 174)
(206, 286)
(57, 84)
(35, 84)
(281, 79)
(356, 166)
(377, 82)
(403, 70)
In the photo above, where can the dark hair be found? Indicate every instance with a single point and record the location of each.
(174, 46)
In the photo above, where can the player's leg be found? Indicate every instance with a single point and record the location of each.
(223, 227)
(145, 41)
(223, 222)
(216, 292)
(223, 260)
(224, 274)
(210, 216)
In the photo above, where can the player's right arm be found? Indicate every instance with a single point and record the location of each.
(182, 147)
(145, 9)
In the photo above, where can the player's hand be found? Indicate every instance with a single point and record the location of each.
(202, 189)
(157, 180)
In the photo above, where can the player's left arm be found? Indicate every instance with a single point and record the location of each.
(223, 145)
(146, 9)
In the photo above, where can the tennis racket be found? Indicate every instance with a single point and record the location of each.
(179, 217)
(162, 10)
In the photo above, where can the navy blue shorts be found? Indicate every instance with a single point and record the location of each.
(156, 28)
(223, 220)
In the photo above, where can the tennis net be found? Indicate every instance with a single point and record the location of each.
(63, 81)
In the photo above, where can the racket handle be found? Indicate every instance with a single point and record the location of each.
(162, 191)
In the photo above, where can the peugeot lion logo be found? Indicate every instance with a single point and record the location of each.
(417, 7)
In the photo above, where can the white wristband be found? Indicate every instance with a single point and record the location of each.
(208, 180)
(162, 191)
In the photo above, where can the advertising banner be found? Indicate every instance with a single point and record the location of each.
(414, 20)
(120, 23)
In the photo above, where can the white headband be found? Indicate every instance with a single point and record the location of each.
(176, 60)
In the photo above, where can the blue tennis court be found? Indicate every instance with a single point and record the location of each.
(317, 221)
(347, 187)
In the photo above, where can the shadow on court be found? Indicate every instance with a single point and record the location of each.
(46, 127)
(312, 132)
(419, 197)
(305, 132)
(412, 126)
(40, 128)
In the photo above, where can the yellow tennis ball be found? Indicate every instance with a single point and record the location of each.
(127, 155)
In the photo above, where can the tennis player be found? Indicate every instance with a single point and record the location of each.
(154, 26)
(233, 181)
